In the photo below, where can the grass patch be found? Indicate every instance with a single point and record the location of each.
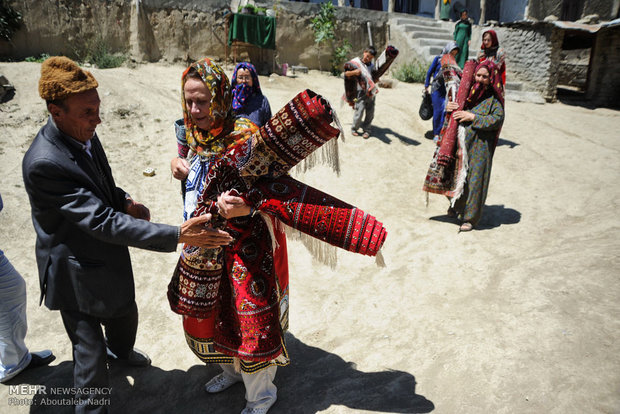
(411, 72)
(40, 59)
(97, 52)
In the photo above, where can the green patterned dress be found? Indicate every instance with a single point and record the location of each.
(480, 136)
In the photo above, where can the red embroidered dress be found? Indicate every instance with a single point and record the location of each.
(235, 298)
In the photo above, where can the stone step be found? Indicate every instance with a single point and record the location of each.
(435, 50)
(431, 35)
(523, 96)
(416, 28)
(433, 42)
(419, 22)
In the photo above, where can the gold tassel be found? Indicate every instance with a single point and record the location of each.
(329, 151)
(237, 365)
(323, 252)
(327, 155)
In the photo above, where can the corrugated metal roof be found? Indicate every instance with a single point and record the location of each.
(592, 28)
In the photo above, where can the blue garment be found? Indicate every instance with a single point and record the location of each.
(433, 71)
(256, 108)
(439, 107)
(438, 94)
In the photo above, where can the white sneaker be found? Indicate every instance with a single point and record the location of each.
(262, 410)
(219, 383)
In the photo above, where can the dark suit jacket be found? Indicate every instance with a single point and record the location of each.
(82, 230)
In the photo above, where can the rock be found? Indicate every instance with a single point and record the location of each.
(551, 18)
(6, 89)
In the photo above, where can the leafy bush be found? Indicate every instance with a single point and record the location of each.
(323, 26)
(411, 72)
(42, 57)
(339, 56)
(10, 20)
(97, 52)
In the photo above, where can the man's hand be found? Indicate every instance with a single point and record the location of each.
(230, 206)
(179, 168)
(137, 210)
(197, 232)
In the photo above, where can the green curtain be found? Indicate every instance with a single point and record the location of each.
(256, 30)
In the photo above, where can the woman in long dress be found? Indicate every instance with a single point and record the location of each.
(446, 7)
(462, 36)
(234, 299)
(481, 119)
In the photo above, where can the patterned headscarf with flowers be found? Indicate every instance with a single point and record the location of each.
(225, 129)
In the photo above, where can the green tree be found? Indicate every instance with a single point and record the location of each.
(323, 25)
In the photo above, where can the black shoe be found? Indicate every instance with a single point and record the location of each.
(40, 359)
(136, 358)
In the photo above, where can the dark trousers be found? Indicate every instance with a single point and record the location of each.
(90, 368)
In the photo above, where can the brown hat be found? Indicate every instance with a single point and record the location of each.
(61, 77)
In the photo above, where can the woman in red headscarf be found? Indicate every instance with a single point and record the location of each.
(480, 122)
(490, 50)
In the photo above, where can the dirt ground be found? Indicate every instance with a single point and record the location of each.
(520, 316)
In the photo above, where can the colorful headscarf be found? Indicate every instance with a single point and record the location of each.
(478, 92)
(221, 134)
(494, 52)
(242, 91)
(494, 43)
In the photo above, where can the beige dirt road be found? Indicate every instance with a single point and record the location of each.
(519, 316)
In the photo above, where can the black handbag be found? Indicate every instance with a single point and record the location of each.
(426, 107)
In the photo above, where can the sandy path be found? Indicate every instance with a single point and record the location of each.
(522, 315)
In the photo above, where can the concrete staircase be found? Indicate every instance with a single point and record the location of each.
(427, 37)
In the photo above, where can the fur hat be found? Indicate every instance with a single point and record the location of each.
(61, 77)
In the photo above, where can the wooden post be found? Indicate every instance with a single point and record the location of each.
(482, 11)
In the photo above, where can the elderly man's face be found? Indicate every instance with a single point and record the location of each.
(79, 116)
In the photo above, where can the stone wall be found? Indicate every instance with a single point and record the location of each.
(573, 69)
(178, 30)
(532, 55)
(539, 9)
(604, 83)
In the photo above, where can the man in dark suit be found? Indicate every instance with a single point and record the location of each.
(84, 224)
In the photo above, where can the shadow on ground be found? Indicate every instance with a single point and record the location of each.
(386, 135)
(492, 217)
(504, 142)
(315, 381)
